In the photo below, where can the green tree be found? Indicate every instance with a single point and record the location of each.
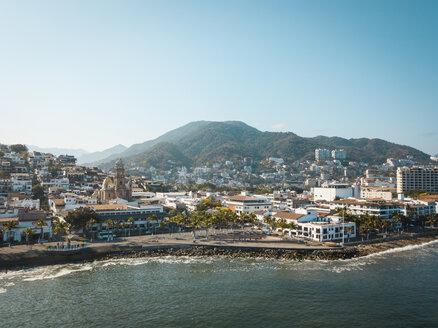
(4, 174)
(40, 224)
(18, 148)
(90, 224)
(110, 223)
(131, 222)
(79, 217)
(9, 226)
(27, 233)
(38, 193)
(61, 227)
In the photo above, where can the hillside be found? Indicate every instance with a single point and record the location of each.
(98, 155)
(200, 142)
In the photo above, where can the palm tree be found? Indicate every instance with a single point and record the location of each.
(9, 226)
(40, 224)
(110, 223)
(27, 233)
(131, 222)
(432, 219)
(123, 225)
(90, 224)
(60, 227)
(2, 231)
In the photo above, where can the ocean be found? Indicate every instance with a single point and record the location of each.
(395, 288)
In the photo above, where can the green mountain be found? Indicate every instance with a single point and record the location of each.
(200, 142)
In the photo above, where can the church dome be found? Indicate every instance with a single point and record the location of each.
(107, 183)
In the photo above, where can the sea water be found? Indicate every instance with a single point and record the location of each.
(395, 288)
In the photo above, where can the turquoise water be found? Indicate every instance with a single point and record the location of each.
(397, 288)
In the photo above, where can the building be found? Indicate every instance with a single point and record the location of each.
(247, 204)
(373, 192)
(359, 206)
(119, 189)
(339, 154)
(25, 219)
(417, 178)
(321, 154)
(332, 191)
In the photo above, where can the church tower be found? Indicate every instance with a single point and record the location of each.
(120, 180)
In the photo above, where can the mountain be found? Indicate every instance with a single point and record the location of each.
(97, 156)
(171, 136)
(199, 142)
(59, 151)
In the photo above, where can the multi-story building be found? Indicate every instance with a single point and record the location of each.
(321, 154)
(339, 154)
(373, 192)
(425, 179)
(247, 204)
(359, 206)
(332, 191)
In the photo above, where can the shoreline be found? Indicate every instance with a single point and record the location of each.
(106, 252)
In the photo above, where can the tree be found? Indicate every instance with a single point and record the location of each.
(432, 219)
(131, 222)
(40, 224)
(110, 223)
(18, 148)
(2, 231)
(4, 174)
(27, 233)
(208, 203)
(38, 193)
(79, 217)
(9, 226)
(123, 225)
(60, 227)
(90, 223)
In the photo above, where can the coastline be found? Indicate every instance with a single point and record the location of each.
(105, 252)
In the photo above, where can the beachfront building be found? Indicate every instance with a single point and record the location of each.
(247, 204)
(326, 229)
(358, 206)
(311, 226)
(24, 219)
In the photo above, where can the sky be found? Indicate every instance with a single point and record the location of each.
(93, 74)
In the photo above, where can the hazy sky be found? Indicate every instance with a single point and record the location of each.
(92, 74)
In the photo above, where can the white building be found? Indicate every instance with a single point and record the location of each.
(425, 179)
(331, 191)
(59, 183)
(373, 192)
(248, 204)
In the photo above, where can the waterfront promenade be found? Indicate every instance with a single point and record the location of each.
(218, 243)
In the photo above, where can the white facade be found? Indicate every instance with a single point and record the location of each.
(331, 191)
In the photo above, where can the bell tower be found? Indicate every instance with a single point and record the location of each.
(120, 180)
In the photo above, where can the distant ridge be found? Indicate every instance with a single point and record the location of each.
(96, 156)
(203, 141)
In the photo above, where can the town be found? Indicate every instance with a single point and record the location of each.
(45, 198)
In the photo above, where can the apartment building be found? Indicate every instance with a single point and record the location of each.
(425, 179)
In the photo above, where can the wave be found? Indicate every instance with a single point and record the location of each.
(48, 272)
(401, 249)
(3, 290)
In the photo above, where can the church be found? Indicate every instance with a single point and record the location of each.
(117, 189)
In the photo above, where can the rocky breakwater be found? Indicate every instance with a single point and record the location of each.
(243, 252)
